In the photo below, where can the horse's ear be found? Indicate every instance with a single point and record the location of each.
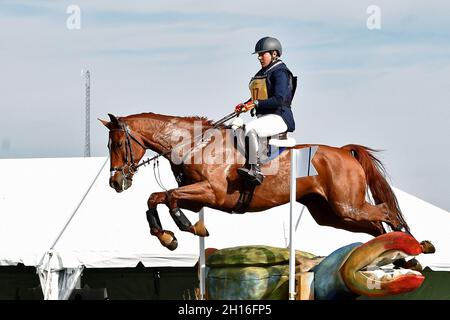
(106, 123)
(113, 119)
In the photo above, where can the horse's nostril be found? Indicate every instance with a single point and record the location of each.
(114, 184)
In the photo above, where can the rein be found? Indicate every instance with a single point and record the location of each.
(215, 125)
(132, 167)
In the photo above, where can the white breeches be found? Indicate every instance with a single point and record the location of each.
(267, 125)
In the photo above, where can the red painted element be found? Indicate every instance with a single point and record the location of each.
(397, 241)
(402, 284)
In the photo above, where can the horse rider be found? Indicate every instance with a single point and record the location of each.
(272, 90)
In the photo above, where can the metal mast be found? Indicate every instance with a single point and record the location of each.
(87, 138)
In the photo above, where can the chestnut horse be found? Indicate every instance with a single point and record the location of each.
(335, 197)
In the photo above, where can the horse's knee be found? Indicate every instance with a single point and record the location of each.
(172, 199)
(151, 202)
(155, 199)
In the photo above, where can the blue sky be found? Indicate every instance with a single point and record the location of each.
(387, 88)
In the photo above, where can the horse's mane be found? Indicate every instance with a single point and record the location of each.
(205, 121)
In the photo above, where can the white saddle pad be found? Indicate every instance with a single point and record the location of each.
(289, 142)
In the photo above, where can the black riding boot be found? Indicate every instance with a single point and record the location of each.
(253, 174)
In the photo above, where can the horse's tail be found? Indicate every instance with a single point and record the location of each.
(375, 177)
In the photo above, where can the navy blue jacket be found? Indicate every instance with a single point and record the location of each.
(281, 85)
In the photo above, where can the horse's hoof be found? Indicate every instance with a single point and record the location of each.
(173, 245)
(203, 233)
(168, 240)
(199, 230)
(427, 247)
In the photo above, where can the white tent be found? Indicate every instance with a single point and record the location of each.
(39, 196)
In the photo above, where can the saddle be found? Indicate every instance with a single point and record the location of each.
(269, 147)
(281, 140)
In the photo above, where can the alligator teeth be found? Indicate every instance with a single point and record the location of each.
(382, 268)
(388, 274)
(387, 258)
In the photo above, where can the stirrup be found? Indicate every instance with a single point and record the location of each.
(256, 178)
(243, 171)
(253, 176)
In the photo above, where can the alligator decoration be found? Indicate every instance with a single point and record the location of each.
(369, 269)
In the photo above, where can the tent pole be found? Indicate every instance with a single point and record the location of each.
(293, 199)
(202, 273)
(79, 204)
(50, 281)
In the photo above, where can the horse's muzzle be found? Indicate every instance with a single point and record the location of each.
(119, 183)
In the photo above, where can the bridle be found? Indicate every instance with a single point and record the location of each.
(130, 167)
(133, 167)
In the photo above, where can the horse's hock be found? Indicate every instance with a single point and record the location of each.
(257, 273)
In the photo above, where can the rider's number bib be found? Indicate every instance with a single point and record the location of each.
(258, 89)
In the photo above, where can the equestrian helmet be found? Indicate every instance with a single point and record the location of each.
(268, 44)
